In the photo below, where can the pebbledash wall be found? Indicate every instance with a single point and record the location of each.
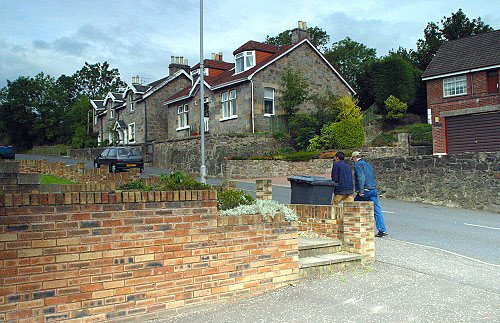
(103, 256)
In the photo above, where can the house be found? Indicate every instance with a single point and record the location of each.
(135, 115)
(463, 95)
(242, 97)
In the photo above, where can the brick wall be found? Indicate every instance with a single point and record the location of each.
(477, 96)
(102, 256)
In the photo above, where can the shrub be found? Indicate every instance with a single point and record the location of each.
(395, 108)
(302, 127)
(301, 156)
(347, 133)
(229, 199)
(179, 181)
(420, 134)
(349, 109)
(136, 185)
(384, 139)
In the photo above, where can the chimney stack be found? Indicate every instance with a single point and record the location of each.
(300, 32)
(136, 79)
(177, 63)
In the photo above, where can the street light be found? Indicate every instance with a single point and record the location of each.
(203, 169)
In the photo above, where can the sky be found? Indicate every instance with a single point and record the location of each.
(139, 37)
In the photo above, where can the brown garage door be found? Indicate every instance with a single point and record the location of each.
(473, 132)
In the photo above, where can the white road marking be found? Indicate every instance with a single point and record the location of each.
(446, 251)
(388, 212)
(481, 226)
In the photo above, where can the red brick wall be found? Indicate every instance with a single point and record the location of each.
(325, 220)
(100, 256)
(477, 96)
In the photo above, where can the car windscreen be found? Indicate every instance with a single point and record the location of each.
(128, 152)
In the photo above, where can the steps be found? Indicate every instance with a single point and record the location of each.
(318, 256)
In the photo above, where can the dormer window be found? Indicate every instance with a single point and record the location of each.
(244, 61)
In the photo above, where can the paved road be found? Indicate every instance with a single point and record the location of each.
(472, 234)
(407, 283)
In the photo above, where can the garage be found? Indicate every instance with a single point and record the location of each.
(473, 132)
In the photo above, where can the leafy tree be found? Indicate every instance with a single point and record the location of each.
(96, 80)
(450, 28)
(302, 127)
(395, 108)
(349, 109)
(327, 108)
(294, 91)
(350, 58)
(319, 38)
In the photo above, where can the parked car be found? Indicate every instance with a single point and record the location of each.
(120, 158)
(7, 152)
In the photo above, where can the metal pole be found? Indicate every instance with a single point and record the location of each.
(203, 169)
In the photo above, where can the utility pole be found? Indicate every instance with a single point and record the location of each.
(203, 169)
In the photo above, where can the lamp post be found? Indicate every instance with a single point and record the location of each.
(203, 169)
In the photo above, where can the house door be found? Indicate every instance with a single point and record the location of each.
(492, 81)
(473, 132)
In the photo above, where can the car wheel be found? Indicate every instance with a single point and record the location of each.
(96, 165)
(113, 168)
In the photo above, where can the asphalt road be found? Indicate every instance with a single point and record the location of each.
(473, 234)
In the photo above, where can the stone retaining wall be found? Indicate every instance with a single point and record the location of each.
(133, 255)
(184, 154)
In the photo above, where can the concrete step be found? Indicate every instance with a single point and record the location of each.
(318, 246)
(319, 265)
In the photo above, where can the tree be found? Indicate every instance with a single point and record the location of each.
(450, 28)
(319, 38)
(350, 58)
(395, 108)
(294, 89)
(96, 80)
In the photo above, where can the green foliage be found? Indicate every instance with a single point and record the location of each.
(319, 38)
(302, 128)
(347, 133)
(136, 186)
(300, 156)
(50, 179)
(229, 199)
(294, 89)
(82, 139)
(350, 59)
(349, 109)
(395, 108)
(60, 149)
(179, 181)
(450, 28)
(96, 80)
(384, 139)
(420, 134)
(327, 107)
(285, 150)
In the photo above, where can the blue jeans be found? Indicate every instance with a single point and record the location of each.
(372, 195)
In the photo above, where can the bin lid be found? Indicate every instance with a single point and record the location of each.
(312, 180)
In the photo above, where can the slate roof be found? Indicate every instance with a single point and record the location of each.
(220, 65)
(255, 45)
(158, 82)
(118, 95)
(98, 104)
(466, 53)
(140, 87)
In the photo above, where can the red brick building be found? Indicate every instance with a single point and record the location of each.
(463, 97)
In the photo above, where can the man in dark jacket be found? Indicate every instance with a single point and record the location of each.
(342, 175)
(366, 190)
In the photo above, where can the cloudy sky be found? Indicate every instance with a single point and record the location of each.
(138, 37)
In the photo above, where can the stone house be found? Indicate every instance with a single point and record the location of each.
(463, 95)
(241, 97)
(136, 115)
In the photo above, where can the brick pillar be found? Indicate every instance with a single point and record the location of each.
(264, 189)
(359, 229)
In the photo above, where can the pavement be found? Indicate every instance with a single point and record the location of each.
(407, 283)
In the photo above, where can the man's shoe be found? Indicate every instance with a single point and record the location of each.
(381, 234)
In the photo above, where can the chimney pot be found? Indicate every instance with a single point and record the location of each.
(172, 59)
(214, 56)
(220, 56)
(186, 62)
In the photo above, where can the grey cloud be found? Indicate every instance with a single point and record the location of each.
(70, 46)
(40, 44)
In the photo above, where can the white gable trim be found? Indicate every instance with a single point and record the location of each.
(305, 40)
(460, 72)
(168, 80)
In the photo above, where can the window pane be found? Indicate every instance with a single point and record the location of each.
(233, 107)
(179, 110)
(232, 94)
(268, 106)
(224, 96)
(224, 110)
(249, 61)
(186, 109)
(268, 92)
(239, 65)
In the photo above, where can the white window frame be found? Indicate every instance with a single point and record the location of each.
(269, 99)
(228, 105)
(451, 85)
(131, 132)
(132, 106)
(95, 118)
(182, 117)
(99, 138)
(246, 55)
(112, 113)
(429, 116)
